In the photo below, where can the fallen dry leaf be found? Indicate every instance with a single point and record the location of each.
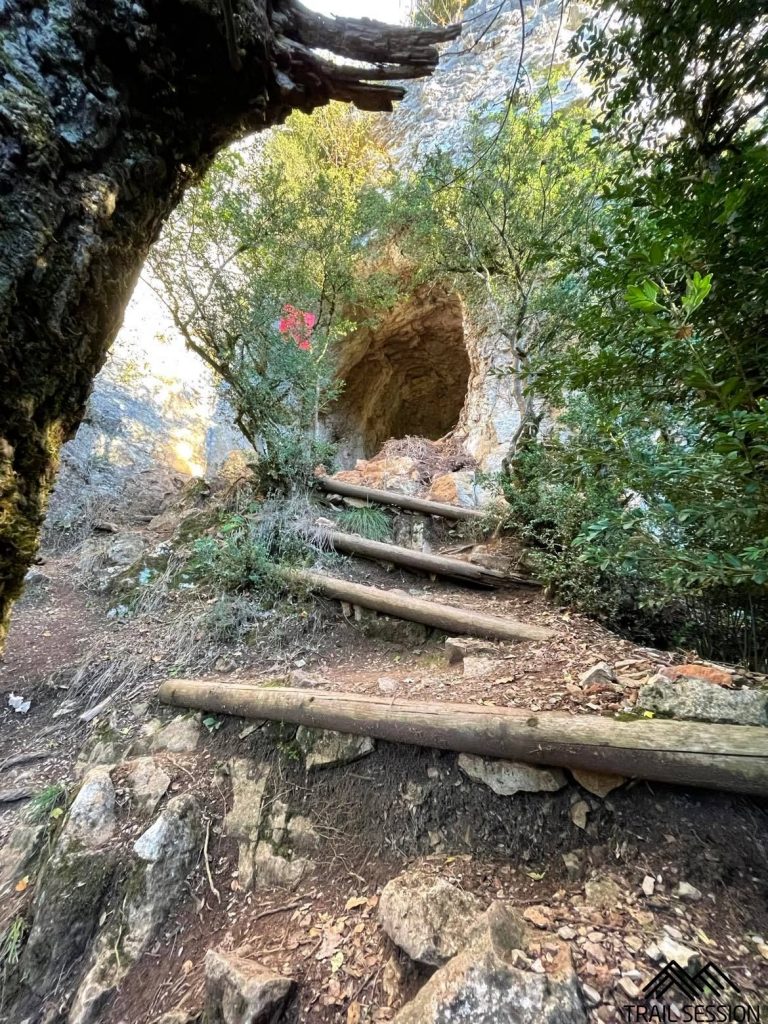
(353, 1013)
(356, 901)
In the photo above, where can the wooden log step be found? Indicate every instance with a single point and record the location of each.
(453, 568)
(728, 757)
(416, 609)
(405, 501)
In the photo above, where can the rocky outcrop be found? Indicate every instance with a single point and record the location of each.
(244, 819)
(154, 420)
(323, 748)
(274, 844)
(147, 784)
(509, 777)
(72, 887)
(241, 991)
(162, 858)
(428, 918)
(19, 851)
(501, 976)
(178, 736)
(476, 72)
(704, 701)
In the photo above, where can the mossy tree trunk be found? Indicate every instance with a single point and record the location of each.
(107, 112)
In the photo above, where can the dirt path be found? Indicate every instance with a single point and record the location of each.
(50, 627)
(577, 865)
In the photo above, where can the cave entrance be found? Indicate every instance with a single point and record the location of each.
(407, 376)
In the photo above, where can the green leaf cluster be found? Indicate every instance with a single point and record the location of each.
(282, 220)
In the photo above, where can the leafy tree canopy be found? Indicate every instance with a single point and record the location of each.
(262, 269)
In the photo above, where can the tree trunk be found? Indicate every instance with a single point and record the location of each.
(422, 505)
(108, 111)
(730, 757)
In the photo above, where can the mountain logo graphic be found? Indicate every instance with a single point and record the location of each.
(710, 979)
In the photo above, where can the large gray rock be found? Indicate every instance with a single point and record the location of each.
(65, 910)
(509, 777)
(147, 783)
(179, 736)
(243, 822)
(492, 981)
(702, 701)
(272, 845)
(164, 855)
(124, 549)
(263, 866)
(249, 778)
(240, 991)
(91, 818)
(457, 648)
(19, 851)
(428, 918)
(72, 885)
(323, 748)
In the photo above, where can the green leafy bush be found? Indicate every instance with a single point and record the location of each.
(260, 269)
(289, 462)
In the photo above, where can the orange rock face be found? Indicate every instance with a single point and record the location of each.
(396, 474)
(444, 489)
(719, 676)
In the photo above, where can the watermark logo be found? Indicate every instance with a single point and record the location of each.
(674, 995)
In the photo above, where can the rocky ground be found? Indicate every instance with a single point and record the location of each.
(159, 863)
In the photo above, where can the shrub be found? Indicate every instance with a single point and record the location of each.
(366, 520)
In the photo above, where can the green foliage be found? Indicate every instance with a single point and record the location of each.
(257, 550)
(289, 461)
(49, 802)
(232, 563)
(366, 520)
(260, 268)
(694, 71)
(11, 943)
(499, 222)
(651, 494)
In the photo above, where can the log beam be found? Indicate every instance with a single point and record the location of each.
(425, 561)
(430, 613)
(404, 501)
(727, 757)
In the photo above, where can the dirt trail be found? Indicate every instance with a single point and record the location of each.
(50, 627)
(575, 863)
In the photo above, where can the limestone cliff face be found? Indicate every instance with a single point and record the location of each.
(155, 419)
(479, 70)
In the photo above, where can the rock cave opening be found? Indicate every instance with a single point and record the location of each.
(406, 376)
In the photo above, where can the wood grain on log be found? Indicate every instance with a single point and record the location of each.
(406, 501)
(425, 561)
(729, 757)
(431, 613)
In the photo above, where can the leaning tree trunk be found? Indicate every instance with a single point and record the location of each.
(108, 110)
